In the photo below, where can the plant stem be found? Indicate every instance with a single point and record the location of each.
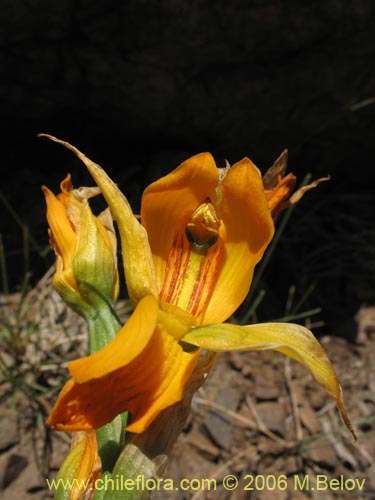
(103, 326)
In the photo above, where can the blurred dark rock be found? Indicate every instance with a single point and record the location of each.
(272, 415)
(11, 469)
(266, 384)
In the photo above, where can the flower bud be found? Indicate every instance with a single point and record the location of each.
(85, 247)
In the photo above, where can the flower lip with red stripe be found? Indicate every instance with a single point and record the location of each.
(207, 229)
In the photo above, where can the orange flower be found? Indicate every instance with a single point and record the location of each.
(207, 229)
(188, 266)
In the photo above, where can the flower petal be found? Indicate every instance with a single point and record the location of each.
(160, 436)
(62, 233)
(128, 344)
(143, 370)
(249, 229)
(167, 205)
(136, 253)
(175, 369)
(63, 241)
(290, 339)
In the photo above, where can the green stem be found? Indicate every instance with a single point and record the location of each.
(301, 315)
(303, 299)
(103, 326)
(252, 309)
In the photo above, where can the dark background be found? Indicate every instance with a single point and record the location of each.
(141, 85)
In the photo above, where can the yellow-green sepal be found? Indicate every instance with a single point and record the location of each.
(94, 264)
(293, 340)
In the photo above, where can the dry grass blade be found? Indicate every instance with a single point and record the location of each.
(293, 398)
(342, 452)
(231, 415)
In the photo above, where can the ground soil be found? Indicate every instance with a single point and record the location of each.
(259, 417)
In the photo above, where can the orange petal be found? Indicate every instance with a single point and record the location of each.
(128, 344)
(176, 368)
(66, 187)
(143, 370)
(277, 197)
(167, 204)
(249, 228)
(63, 236)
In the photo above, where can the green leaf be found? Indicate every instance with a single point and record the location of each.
(131, 472)
(110, 438)
(100, 490)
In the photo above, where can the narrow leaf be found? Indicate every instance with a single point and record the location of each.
(293, 340)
